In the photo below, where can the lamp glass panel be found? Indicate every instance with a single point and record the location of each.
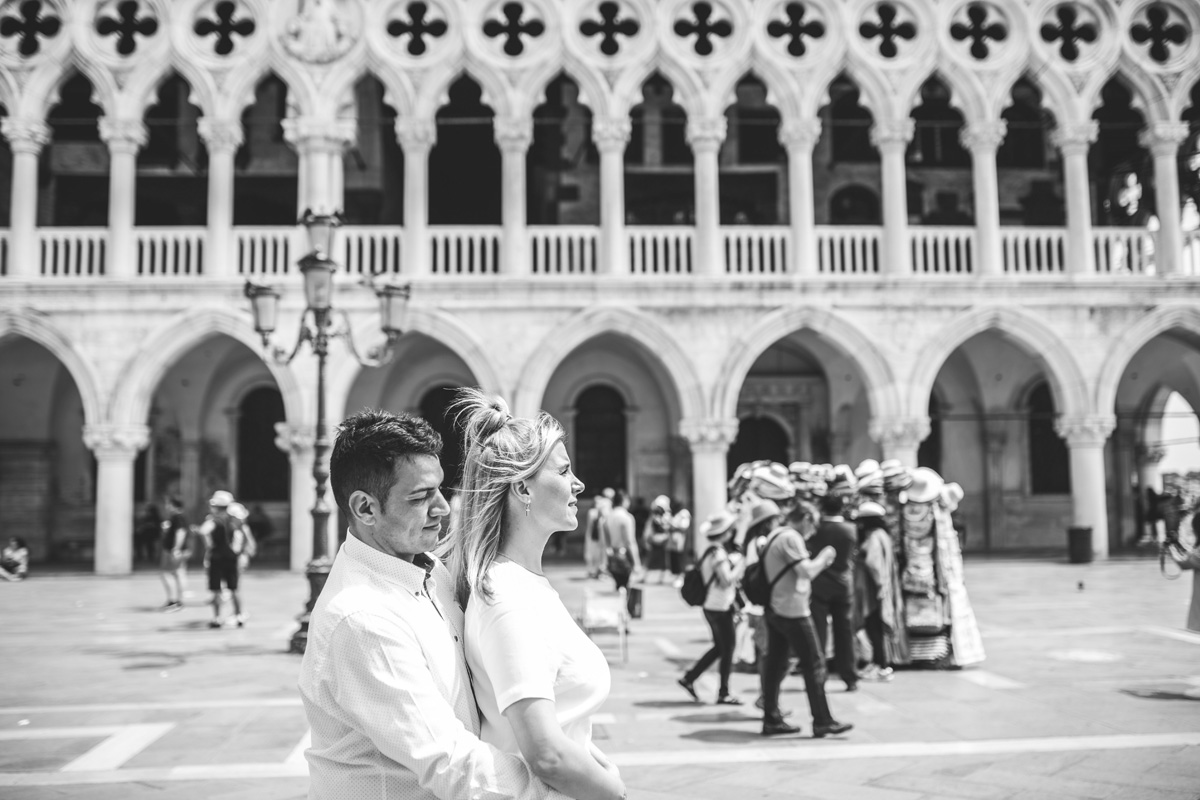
(393, 311)
(318, 283)
(265, 305)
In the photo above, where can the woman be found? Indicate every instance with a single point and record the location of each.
(656, 535)
(876, 584)
(721, 572)
(537, 677)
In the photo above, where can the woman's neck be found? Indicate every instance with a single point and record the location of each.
(525, 546)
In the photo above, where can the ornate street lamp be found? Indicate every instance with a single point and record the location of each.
(317, 268)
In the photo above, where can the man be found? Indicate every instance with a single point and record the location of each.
(223, 544)
(833, 590)
(384, 679)
(595, 542)
(622, 538)
(790, 570)
(174, 552)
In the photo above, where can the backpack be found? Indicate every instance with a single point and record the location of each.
(755, 584)
(694, 590)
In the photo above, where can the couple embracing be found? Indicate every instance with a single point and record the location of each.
(452, 671)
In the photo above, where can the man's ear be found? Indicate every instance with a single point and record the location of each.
(363, 507)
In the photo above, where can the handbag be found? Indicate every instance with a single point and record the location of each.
(633, 601)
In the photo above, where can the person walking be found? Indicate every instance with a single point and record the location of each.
(721, 571)
(595, 542)
(14, 560)
(833, 589)
(223, 544)
(174, 544)
(622, 542)
(789, 626)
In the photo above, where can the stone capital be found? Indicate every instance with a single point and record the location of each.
(706, 134)
(416, 135)
(295, 440)
(800, 134)
(24, 134)
(892, 132)
(1163, 138)
(983, 137)
(314, 134)
(220, 135)
(513, 134)
(611, 135)
(1075, 138)
(123, 135)
(709, 435)
(893, 432)
(1087, 431)
(115, 442)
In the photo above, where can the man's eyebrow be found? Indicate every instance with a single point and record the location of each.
(423, 489)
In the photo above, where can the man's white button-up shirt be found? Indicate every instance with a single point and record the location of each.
(387, 692)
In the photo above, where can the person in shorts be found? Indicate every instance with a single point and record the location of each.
(174, 550)
(223, 542)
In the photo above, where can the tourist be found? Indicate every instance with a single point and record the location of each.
(384, 680)
(14, 560)
(655, 536)
(624, 561)
(789, 626)
(538, 677)
(832, 601)
(877, 590)
(721, 572)
(222, 546)
(174, 544)
(595, 540)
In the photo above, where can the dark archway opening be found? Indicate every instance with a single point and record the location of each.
(464, 165)
(600, 439)
(435, 407)
(929, 452)
(758, 438)
(263, 469)
(1049, 461)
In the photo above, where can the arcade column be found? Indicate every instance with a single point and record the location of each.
(116, 448)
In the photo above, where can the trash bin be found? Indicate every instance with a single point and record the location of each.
(1079, 545)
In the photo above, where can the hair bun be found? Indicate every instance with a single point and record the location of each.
(482, 415)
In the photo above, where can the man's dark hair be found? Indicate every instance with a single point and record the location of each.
(367, 448)
(620, 498)
(833, 505)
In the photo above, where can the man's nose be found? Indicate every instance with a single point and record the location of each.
(441, 508)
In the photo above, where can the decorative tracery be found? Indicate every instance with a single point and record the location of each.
(31, 25)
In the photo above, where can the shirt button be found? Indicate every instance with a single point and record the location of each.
(456, 638)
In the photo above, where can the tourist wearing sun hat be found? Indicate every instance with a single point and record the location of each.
(721, 571)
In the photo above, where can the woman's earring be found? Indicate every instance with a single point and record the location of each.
(527, 508)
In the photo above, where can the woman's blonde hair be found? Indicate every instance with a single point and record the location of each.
(499, 451)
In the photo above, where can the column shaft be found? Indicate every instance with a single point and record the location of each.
(891, 137)
(513, 135)
(803, 212)
(416, 138)
(114, 514)
(611, 137)
(26, 139)
(1074, 141)
(1163, 140)
(709, 441)
(709, 258)
(24, 260)
(220, 261)
(983, 139)
(1088, 496)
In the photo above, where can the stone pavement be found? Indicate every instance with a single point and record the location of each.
(1091, 689)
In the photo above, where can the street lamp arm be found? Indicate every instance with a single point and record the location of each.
(281, 356)
(375, 357)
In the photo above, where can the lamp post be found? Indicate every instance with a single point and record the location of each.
(318, 327)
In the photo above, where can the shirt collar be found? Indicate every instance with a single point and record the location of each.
(410, 576)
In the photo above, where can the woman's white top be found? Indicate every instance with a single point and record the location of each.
(524, 644)
(718, 598)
